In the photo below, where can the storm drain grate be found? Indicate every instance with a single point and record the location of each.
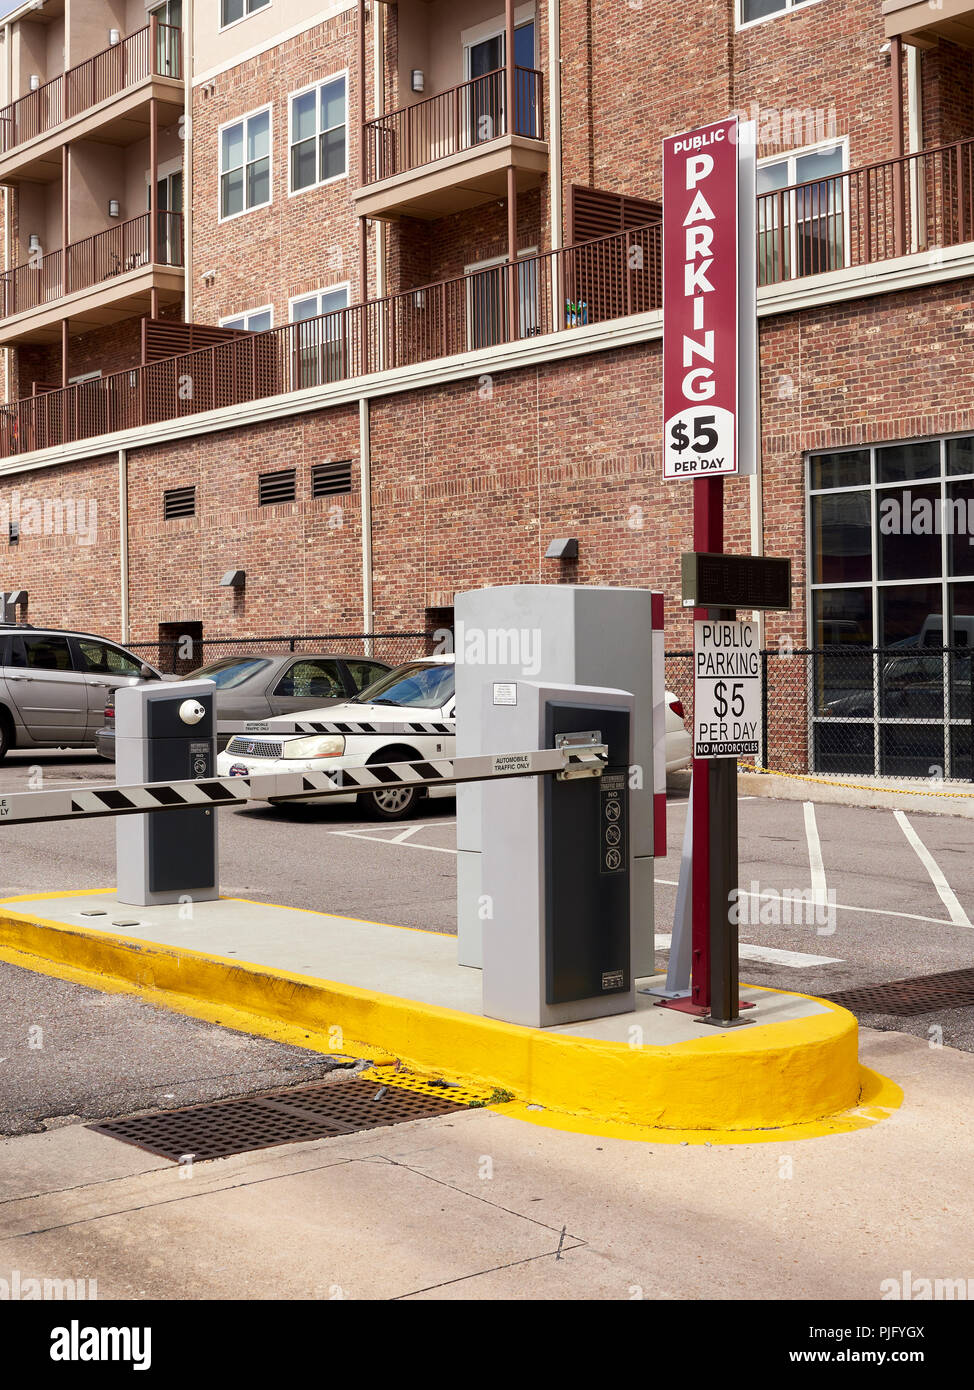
(316, 1111)
(954, 989)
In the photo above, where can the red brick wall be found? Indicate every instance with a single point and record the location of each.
(298, 243)
(947, 93)
(472, 479)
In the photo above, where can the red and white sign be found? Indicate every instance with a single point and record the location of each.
(701, 309)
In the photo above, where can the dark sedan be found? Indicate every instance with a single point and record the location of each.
(257, 685)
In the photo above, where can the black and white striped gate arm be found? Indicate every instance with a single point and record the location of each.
(581, 759)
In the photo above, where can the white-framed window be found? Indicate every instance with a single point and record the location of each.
(245, 163)
(756, 11)
(254, 320)
(318, 134)
(233, 11)
(320, 345)
(803, 231)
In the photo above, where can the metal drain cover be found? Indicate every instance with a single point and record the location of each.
(317, 1111)
(923, 994)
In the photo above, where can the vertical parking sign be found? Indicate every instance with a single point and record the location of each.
(708, 304)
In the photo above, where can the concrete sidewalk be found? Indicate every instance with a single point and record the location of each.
(479, 1206)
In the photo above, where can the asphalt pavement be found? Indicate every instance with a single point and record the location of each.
(887, 896)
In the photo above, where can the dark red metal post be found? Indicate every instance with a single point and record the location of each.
(708, 538)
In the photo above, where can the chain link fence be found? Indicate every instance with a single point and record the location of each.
(903, 711)
(178, 656)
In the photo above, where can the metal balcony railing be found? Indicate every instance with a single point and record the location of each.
(123, 247)
(560, 290)
(873, 213)
(461, 118)
(152, 51)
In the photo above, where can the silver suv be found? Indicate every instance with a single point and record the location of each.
(54, 686)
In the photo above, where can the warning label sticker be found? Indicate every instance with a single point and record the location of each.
(511, 762)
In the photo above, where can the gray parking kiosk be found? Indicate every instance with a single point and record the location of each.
(166, 733)
(580, 634)
(557, 887)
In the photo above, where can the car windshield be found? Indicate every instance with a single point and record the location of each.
(421, 685)
(230, 672)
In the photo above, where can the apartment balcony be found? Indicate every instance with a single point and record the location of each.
(451, 152)
(557, 292)
(105, 98)
(865, 216)
(102, 280)
(924, 22)
(849, 221)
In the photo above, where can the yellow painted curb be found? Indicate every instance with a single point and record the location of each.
(768, 1076)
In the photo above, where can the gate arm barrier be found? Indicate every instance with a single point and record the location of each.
(24, 808)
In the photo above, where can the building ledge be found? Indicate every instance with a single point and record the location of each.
(457, 182)
(111, 300)
(121, 119)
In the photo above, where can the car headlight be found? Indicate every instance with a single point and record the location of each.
(320, 746)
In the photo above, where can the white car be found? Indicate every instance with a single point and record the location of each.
(405, 716)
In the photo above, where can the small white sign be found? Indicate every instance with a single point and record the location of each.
(505, 693)
(726, 689)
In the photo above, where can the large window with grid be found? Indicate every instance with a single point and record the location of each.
(891, 612)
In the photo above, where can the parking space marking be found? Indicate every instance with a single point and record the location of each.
(815, 861)
(949, 899)
(399, 839)
(768, 955)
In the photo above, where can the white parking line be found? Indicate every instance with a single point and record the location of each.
(819, 890)
(798, 960)
(949, 899)
(393, 839)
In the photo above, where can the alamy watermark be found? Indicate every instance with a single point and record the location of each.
(798, 907)
(22, 515)
(906, 515)
(491, 646)
(20, 1288)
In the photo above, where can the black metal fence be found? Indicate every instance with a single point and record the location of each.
(904, 711)
(180, 655)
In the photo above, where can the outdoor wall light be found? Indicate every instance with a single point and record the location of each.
(416, 80)
(33, 242)
(419, 299)
(114, 36)
(563, 549)
(234, 579)
(35, 81)
(114, 209)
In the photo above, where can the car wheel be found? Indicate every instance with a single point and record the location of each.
(6, 734)
(392, 803)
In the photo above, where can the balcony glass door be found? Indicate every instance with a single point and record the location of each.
(170, 201)
(484, 69)
(485, 95)
(487, 301)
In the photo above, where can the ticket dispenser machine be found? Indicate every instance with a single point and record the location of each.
(556, 861)
(574, 634)
(166, 732)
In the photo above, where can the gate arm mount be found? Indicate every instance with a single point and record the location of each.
(571, 760)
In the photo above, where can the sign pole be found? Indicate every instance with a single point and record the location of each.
(708, 536)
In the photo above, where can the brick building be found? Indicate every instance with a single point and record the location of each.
(344, 299)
